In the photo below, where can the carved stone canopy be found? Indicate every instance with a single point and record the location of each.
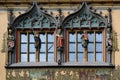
(37, 18)
(84, 18)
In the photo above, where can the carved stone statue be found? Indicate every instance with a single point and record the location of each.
(59, 39)
(109, 44)
(11, 42)
(84, 39)
(37, 41)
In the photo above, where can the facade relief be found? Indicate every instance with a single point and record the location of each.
(64, 74)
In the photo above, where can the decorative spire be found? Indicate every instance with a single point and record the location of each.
(59, 18)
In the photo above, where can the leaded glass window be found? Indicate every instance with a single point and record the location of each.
(28, 51)
(76, 53)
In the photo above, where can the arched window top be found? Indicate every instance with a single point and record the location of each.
(34, 18)
(84, 18)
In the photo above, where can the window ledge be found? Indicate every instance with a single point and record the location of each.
(52, 64)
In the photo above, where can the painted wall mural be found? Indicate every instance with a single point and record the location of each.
(63, 74)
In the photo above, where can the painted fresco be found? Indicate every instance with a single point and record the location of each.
(63, 74)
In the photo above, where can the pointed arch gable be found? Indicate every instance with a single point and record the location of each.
(84, 18)
(34, 18)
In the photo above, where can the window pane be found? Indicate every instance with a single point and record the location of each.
(80, 57)
(50, 38)
(72, 37)
(79, 37)
(98, 57)
(50, 57)
(90, 47)
(50, 47)
(32, 48)
(23, 38)
(72, 57)
(31, 38)
(23, 57)
(98, 37)
(71, 47)
(80, 48)
(91, 37)
(23, 47)
(98, 47)
(43, 37)
(42, 57)
(90, 57)
(43, 48)
(32, 58)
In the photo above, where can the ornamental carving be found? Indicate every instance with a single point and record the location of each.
(35, 18)
(63, 74)
(84, 18)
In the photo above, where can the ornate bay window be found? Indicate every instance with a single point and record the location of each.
(83, 36)
(95, 51)
(91, 48)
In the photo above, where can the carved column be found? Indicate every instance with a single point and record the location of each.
(11, 46)
(59, 38)
(109, 37)
(11, 38)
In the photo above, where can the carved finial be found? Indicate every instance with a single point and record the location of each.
(51, 13)
(20, 13)
(109, 10)
(11, 17)
(106, 16)
(68, 12)
(41, 8)
(109, 17)
(95, 10)
(59, 17)
(91, 7)
(100, 12)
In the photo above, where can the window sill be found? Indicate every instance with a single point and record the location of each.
(53, 64)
